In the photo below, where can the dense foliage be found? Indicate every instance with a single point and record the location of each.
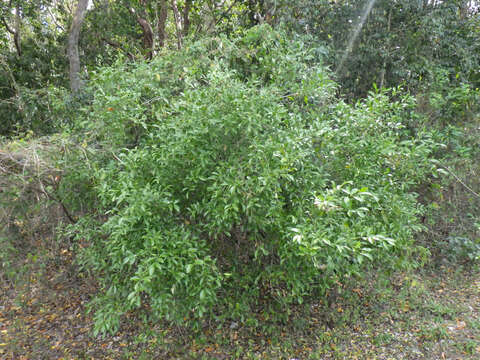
(213, 162)
(240, 176)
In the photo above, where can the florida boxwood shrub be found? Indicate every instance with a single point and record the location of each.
(236, 177)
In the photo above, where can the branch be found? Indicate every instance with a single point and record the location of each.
(118, 46)
(226, 12)
(57, 200)
(54, 19)
(460, 181)
(8, 27)
(147, 32)
(18, 165)
(178, 23)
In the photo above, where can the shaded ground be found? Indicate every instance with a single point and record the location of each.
(431, 314)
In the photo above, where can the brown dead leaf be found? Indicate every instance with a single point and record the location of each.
(460, 325)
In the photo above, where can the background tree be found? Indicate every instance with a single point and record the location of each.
(72, 49)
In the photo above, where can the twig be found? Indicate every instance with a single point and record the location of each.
(62, 205)
(118, 46)
(8, 27)
(54, 19)
(117, 158)
(288, 95)
(460, 181)
(224, 14)
(28, 165)
(152, 100)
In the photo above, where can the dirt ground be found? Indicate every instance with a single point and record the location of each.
(429, 314)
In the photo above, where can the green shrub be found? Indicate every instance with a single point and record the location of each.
(220, 186)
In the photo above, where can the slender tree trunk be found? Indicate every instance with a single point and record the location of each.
(387, 50)
(270, 7)
(178, 24)
(72, 49)
(463, 9)
(16, 36)
(186, 17)
(148, 38)
(15, 31)
(162, 21)
(252, 11)
(148, 43)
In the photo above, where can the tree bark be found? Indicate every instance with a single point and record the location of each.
(148, 36)
(162, 21)
(178, 24)
(463, 9)
(15, 31)
(72, 50)
(387, 50)
(16, 36)
(148, 43)
(147, 31)
(186, 17)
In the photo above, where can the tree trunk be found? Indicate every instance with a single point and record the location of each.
(463, 9)
(72, 49)
(387, 51)
(256, 11)
(270, 7)
(186, 17)
(148, 38)
(148, 43)
(178, 24)
(15, 31)
(16, 36)
(162, 20)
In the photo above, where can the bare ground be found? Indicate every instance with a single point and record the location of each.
(428, 314)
